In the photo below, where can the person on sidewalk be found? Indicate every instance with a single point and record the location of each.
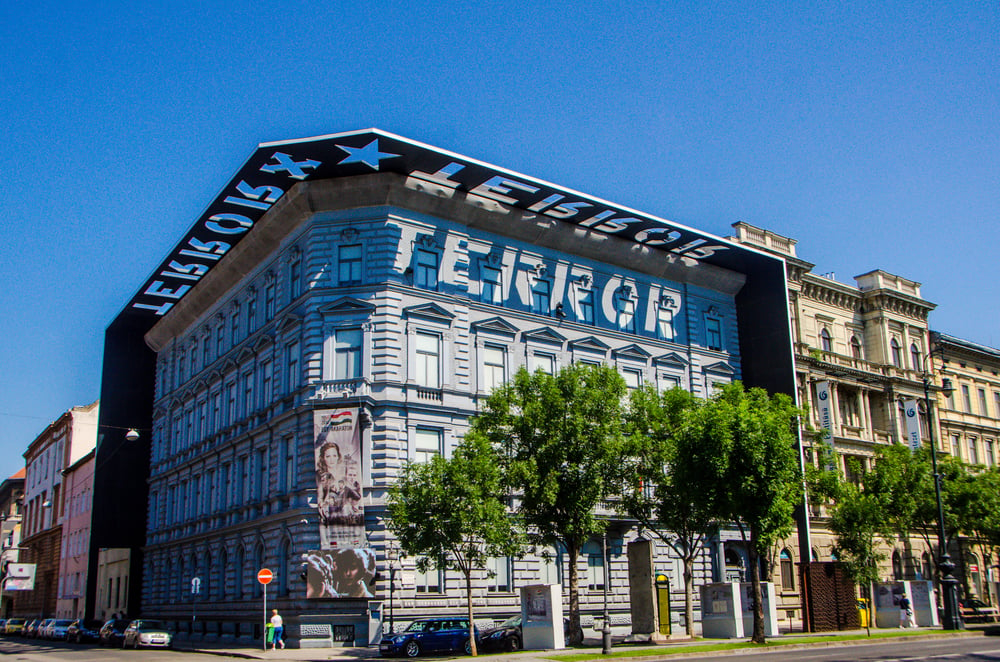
(278, 639)
(905, 613)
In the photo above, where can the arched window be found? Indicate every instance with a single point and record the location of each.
(897, 355)
(284, 566)
(915, 363)
(897, 566)
(825, 341)
(787, 571)
(856, 347)
(239, 571)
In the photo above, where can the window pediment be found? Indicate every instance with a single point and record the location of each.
(720, 368)
(590, 344)
(672, 359)
(431, 311)
(632, 351)
(496, 325)
(544, 335)
(347, 306)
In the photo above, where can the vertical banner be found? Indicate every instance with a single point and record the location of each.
(825, 410)
(912, 424)
(337, 450)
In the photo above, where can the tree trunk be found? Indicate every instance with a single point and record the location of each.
(468, 602)
(758, 603)
(689, 594)
(575, 631)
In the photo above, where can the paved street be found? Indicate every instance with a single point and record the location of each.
(969, 646)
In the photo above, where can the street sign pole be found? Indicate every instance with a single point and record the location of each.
(264, 576)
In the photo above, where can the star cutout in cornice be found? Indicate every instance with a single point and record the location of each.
(369, 154)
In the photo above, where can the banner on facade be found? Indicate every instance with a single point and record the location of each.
(20, 577)
(912, 424)
(337, 452)
(340, 573)
(825, 411)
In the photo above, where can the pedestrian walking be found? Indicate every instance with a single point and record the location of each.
(278, 627)
(905, 612)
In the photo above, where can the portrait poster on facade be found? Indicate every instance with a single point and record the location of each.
(340, 573)
(337, 453)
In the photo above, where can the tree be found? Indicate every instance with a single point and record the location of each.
(560, 437)
(762, 478)
(671, 478)
(450, 513)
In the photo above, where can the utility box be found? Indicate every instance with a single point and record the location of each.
(542, 617)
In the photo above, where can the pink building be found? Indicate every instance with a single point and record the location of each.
(78, 484)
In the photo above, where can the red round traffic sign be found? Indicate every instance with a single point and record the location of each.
(264, 576)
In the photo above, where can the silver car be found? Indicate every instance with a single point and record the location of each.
(146, 632)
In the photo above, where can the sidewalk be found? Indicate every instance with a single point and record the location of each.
(591, 646)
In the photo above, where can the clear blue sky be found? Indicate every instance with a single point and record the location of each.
(868, 131)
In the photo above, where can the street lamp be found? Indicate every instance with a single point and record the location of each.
(947, 581)
(606, 629)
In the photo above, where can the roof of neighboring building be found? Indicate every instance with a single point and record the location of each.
(19, 474)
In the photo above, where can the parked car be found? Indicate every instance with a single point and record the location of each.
(429, 635)
(146, 632)
(506, 636)
(45, 629)
(113, 632)
(30, 628)
(80, 631)
(57, 629)
(14, 626)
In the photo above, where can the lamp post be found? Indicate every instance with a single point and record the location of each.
(949, 585)
(606, 629)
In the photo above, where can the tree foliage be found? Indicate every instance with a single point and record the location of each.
(671, 476)
(560, 438)
(450, 513)
(762, 484)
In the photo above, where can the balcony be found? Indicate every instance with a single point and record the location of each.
(340, 388)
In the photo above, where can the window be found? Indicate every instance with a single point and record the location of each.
(896, 354)
(585, 305)
(426, 444)
(633, 377)
(180, 366)
(427, 581)
(967, 398)
(295, 275)
(499, 570)
(266, 383)
(252, 311)
(428, 358)
(550, 567)
(234, 327)
(713, 333)
(787, 571)
(990, 457)
(955, 444)
(206, 349)
(541, 301)
(825, 341)
(915, 360)
(595, 571)
(983, 410)
(292, 366)
(269, 304)
(347, 354)
(856, 347)
(626, 313)
(973, 451)
(494, 367)
(544, 362)
(664, 323)
(247, 388)
(349, 261)
(427, 269)
(996, 403)
(492, 285)
(220, 333)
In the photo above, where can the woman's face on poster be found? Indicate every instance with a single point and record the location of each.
(331, 456)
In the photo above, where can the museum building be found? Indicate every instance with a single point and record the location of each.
(342, 308)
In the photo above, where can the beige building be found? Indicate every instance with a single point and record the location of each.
(11, 510)
(970, 430)
(863, 348)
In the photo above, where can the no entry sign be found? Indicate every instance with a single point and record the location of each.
(264, 576)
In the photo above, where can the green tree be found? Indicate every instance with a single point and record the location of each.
(560, 437)
(762, 478)
(450, 513)
(672, 477)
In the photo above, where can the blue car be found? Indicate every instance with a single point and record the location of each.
(429, 635)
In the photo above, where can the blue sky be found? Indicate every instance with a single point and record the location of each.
(869, 132)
